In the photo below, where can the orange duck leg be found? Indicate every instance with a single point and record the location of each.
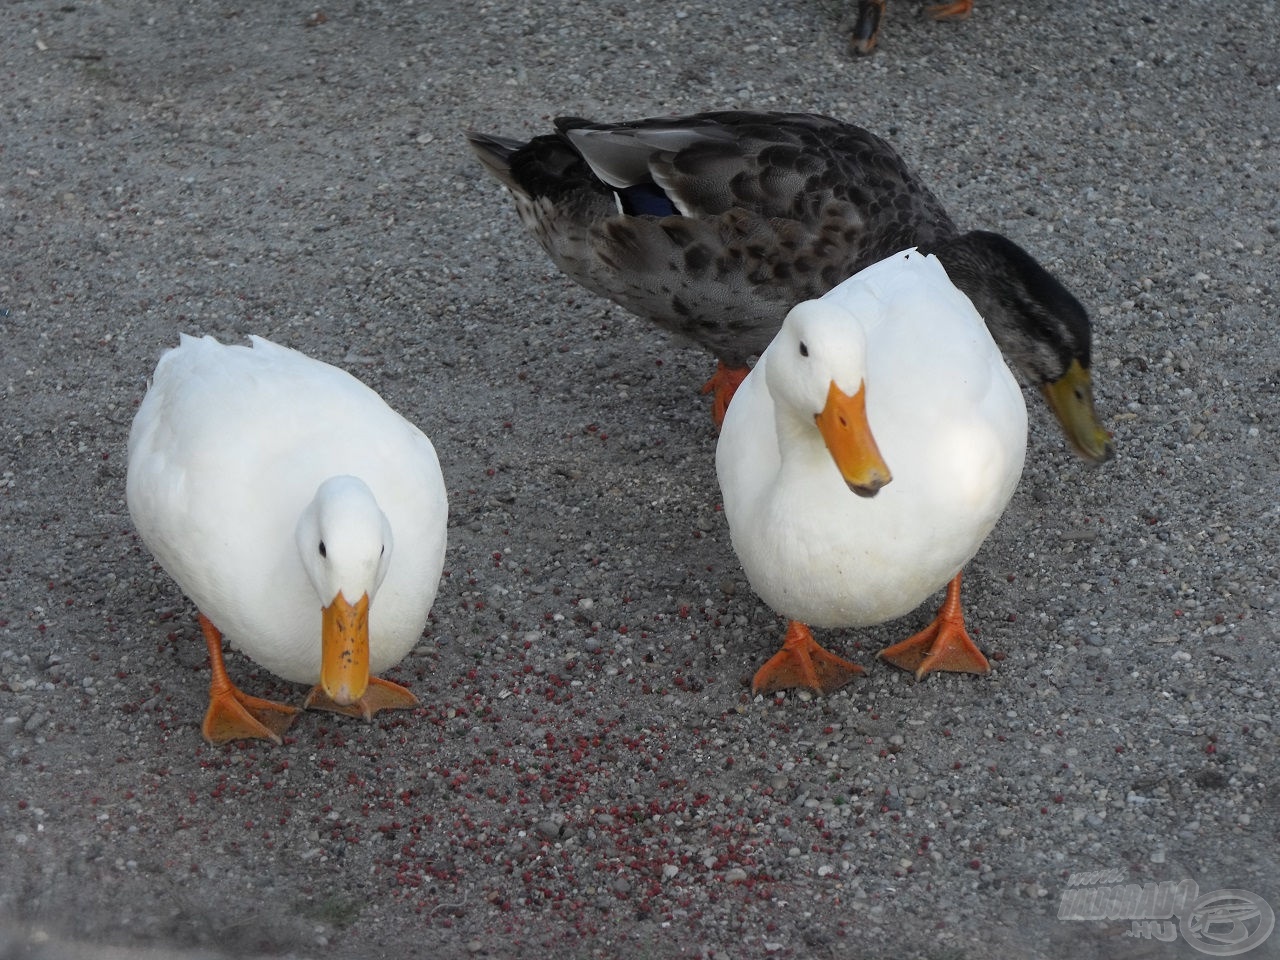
(724, 383)
(802, 662)
(232, 714)
(943, 645)
(958, 10)
(866, 26)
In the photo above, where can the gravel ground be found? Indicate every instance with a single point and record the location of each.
(588, 774)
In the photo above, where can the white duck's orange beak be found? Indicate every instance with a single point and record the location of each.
(344, 649)
(844, 427)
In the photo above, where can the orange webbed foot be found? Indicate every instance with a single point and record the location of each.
(959, 10)
(380, 695)
(943, 645)
(802, 662)
(232, 714)
(724, 383)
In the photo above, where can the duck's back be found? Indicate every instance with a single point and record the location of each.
(714, 225)
(944, 400)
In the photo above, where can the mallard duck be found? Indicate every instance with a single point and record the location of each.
(714, 225)
(302, 515)
(863, 462)
(866, 26)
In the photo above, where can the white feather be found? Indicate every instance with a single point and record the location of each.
(945, 411)
(243, 459)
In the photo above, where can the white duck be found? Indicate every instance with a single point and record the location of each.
(863, 462)
(302, 515)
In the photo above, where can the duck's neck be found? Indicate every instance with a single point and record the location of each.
(800, 445)
(1038, 325)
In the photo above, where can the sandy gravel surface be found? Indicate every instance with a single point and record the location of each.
(588, 775)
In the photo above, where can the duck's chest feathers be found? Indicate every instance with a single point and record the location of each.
(827, 557)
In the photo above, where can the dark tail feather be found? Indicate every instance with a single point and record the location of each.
(495, 153)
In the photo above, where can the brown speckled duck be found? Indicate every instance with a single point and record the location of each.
(714, 225)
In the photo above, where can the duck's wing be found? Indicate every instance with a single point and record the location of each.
(714, 225)
(772, 165)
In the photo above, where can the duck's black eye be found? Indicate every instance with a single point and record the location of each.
(323, 551)
(804, 351)
(383, 551)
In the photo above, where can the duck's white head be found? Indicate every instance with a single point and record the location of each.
(817, 376)
(345, 543)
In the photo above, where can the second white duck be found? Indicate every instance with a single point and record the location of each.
(863, 462)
